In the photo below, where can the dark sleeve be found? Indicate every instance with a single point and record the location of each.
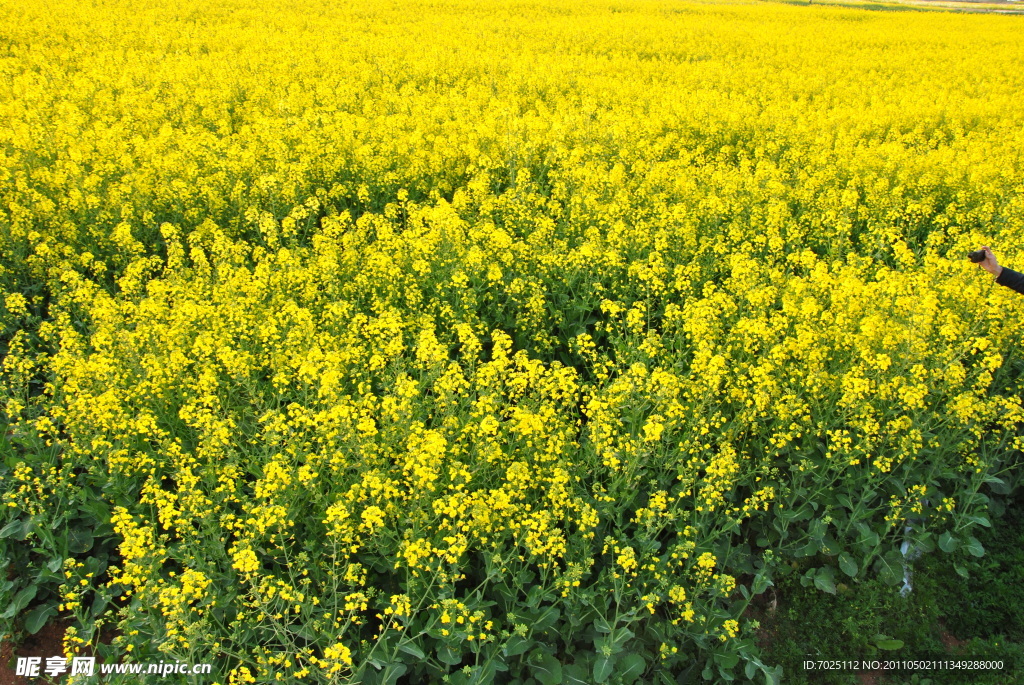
(1011, 279)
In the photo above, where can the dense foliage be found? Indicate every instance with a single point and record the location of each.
(966, 611)
(497, 340)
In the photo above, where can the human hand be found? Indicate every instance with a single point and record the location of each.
(990, 264)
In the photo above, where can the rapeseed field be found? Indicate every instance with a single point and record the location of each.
(472, 341)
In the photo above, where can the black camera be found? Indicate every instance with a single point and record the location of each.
(977, 256)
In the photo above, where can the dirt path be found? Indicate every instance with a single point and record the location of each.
(46, 643)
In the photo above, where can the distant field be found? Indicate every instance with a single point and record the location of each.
(386, 342)
(974, 6)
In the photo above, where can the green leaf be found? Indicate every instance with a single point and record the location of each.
(824, 580)
(961, 570)
(887, 643)
(411, 649)
(868, 538)
(37, 618)
(761, 583)
(10, 528)
(980, 520)
(534, 596)
(79, 540)
(602, 626)
(449, 656)
(574, 674)
(547, 670)
(21, 601)
(516, 645)
(847, 565)
(828, 545)
(99, 603)
(924, 542)
(948, 543)
(619, 639)
(817, 529)
(632, 667)
(546, 618)
(974, 547)
(603, 668)
(890, 568)
(803, 513)
(393, 672)
(999, 486)
(749, 670)
(807, 579)
(810, 549)
(27, 526)
(727, 660)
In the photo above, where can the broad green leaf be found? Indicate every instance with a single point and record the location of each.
(548, 617)
(517, 645)
(631, 667)
(887, 643)
(824, 580)
(449, 656)
(925, 542)
(411, 649)
(847, 565)
(890, 568)
(619, 639)
(828, 545)
(817, 529)
(750, 670)
(999, 486)
(948, 543)
(10, 528)
(547, 671)
(974, 547)
(867, 538)
(603, 668)
(393, 672)
(38, 617)
(574, 674)
(99, 603)
(21, 601)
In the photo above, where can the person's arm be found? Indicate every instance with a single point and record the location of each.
(1008, 277)
(1011, 279)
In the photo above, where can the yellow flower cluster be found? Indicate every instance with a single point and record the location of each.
(362, 321)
